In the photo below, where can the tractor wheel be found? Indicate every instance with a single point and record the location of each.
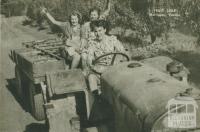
(36, 103)
(19, 82)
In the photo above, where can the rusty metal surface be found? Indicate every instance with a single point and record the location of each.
(159, 62)
(67, 81)
(144, 91)
(61, 113)
(35, 60)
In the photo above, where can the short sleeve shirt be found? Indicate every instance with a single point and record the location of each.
(109, 44)
(73, 35)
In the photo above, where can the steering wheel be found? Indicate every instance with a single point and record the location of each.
(98, 66)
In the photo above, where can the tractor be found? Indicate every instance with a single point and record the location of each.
(135, 95)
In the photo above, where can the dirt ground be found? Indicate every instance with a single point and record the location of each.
(13, 117)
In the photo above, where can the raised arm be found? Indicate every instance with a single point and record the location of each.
(106, 12)
(50, 17)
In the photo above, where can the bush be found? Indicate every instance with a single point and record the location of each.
(126, 14)
(13, 8)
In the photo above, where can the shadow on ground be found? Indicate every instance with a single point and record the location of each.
(11, 84)
(99, 115)
(33, 127)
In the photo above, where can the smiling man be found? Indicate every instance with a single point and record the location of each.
(101, 45)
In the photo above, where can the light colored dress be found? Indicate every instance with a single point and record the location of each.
(86, 31)
(109, 44)
(95, 49)
(73, 35)
(69, 31)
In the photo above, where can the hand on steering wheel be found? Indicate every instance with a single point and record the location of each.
(98, 66)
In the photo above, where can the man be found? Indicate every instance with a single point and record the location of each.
(102, 44)
(94, 14)
(72, 33)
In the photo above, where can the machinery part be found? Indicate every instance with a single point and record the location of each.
(36, 102)
(174, 67)
(45, 46)
(62, 116)
(21, 87)
(19, 82)
(57, 84)
(44, 91)
(99, 67)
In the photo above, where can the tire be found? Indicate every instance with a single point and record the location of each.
(19, 82)
(36, 103)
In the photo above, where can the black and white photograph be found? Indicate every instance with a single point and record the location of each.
(100, 66)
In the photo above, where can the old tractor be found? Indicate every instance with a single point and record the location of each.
(136, 96)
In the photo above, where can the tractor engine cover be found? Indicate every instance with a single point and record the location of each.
(138, 94)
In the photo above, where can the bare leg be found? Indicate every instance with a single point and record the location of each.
(84, 61)
(75, 60)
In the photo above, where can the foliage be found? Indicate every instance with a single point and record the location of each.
(190, 16)
(128, 14)
(12, 8)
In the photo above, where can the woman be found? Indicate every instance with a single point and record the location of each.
(72, 32)
(94, 14)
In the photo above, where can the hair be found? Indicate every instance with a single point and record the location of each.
(78, 14)
(98, 10)
(100, 23)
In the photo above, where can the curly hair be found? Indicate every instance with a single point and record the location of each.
(98, 10)
(78, 14)
(100, 23)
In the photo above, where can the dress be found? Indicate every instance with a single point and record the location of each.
(73, 35)
(109, 44)
(86, 31)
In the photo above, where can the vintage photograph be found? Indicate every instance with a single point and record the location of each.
(100, 66)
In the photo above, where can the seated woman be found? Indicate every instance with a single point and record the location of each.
(72, 33)
(102, 44)
(94, 14)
